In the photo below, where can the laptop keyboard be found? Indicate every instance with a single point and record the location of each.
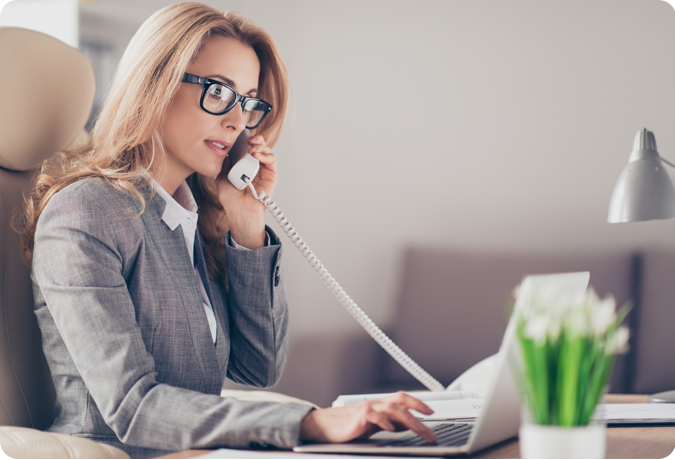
(449, 435)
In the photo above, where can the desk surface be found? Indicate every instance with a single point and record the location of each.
(625, 442)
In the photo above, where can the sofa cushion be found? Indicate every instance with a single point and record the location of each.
(653, 370)
(452, 309)
(321, 367)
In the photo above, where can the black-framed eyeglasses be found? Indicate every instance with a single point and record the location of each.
(218, 98)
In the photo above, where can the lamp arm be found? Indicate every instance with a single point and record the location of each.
(667, 162)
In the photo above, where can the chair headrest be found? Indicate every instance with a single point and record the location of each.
(46, 94)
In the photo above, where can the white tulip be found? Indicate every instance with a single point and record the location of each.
(619, 341)
(536, 328)
(554, 327)
(603, 315)
(576, 322)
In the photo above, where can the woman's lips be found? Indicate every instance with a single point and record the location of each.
(221, 152)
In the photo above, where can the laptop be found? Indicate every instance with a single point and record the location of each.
(499, 418)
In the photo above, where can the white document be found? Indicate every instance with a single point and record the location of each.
(345, 400)
(457, 409)
(636, 413)
(274, 454)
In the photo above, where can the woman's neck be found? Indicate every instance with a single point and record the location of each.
(169, 176)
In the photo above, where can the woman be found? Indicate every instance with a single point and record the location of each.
(145, 306)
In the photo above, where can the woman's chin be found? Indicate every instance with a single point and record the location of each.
(210, 170)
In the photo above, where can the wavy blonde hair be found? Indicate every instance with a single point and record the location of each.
(125, 138)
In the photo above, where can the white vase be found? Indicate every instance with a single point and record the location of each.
(547, 441)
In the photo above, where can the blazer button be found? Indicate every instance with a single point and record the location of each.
(276, 277)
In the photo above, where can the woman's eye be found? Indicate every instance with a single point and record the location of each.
(218, 94)
(215, 91)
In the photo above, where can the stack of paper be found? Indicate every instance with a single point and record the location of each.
(465, 410)
(447, 405)
(345, 400)
(632, 414)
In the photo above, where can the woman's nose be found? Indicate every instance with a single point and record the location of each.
(235, 118)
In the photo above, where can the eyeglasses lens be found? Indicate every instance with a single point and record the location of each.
(219, 98)
(254, 111)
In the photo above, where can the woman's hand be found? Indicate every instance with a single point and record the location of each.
(245, 214)
(342, 424)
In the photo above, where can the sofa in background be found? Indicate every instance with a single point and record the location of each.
(452, 312)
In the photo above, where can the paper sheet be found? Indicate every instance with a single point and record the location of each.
(636, 413)
(344, 400)
(280, 454)
(463, 409)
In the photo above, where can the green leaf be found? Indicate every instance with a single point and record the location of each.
(571, 354)
(536, 377)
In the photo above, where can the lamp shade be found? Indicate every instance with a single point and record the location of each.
(645, 190)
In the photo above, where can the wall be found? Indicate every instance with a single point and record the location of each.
(472, 124)
(480, 125)
(58, 18)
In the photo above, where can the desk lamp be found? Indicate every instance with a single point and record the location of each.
(644, 191)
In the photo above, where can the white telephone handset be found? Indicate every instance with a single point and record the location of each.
(478, 378)
(244, 166)
(243, 170)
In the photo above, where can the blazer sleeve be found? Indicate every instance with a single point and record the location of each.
(258, 313)
(78, 267)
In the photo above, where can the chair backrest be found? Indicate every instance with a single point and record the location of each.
(46, 94)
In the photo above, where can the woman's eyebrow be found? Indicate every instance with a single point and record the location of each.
(229, 82)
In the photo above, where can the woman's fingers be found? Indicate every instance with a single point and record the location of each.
(265, 158)
(397, 407)
(261, 151)
(380, 419)
(401, 415)
(341, 424)
(257, 139)
(404, 399)
(258, 144)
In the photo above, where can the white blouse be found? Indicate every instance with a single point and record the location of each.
(181, 209)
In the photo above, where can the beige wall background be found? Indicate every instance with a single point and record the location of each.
(484, 125)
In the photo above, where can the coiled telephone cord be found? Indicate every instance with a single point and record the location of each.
(359, 315)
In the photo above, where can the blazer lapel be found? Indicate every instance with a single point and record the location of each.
(218, 305)
(171, 246)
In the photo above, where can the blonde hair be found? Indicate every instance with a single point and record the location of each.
(126, 138)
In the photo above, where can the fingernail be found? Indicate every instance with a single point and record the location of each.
(252, 149)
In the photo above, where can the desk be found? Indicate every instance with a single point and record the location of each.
(642, 442)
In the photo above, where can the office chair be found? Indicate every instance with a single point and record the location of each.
(46, 94)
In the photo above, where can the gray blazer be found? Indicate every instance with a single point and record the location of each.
(127, 339)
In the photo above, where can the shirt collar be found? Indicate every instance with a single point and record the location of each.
(179, 207)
